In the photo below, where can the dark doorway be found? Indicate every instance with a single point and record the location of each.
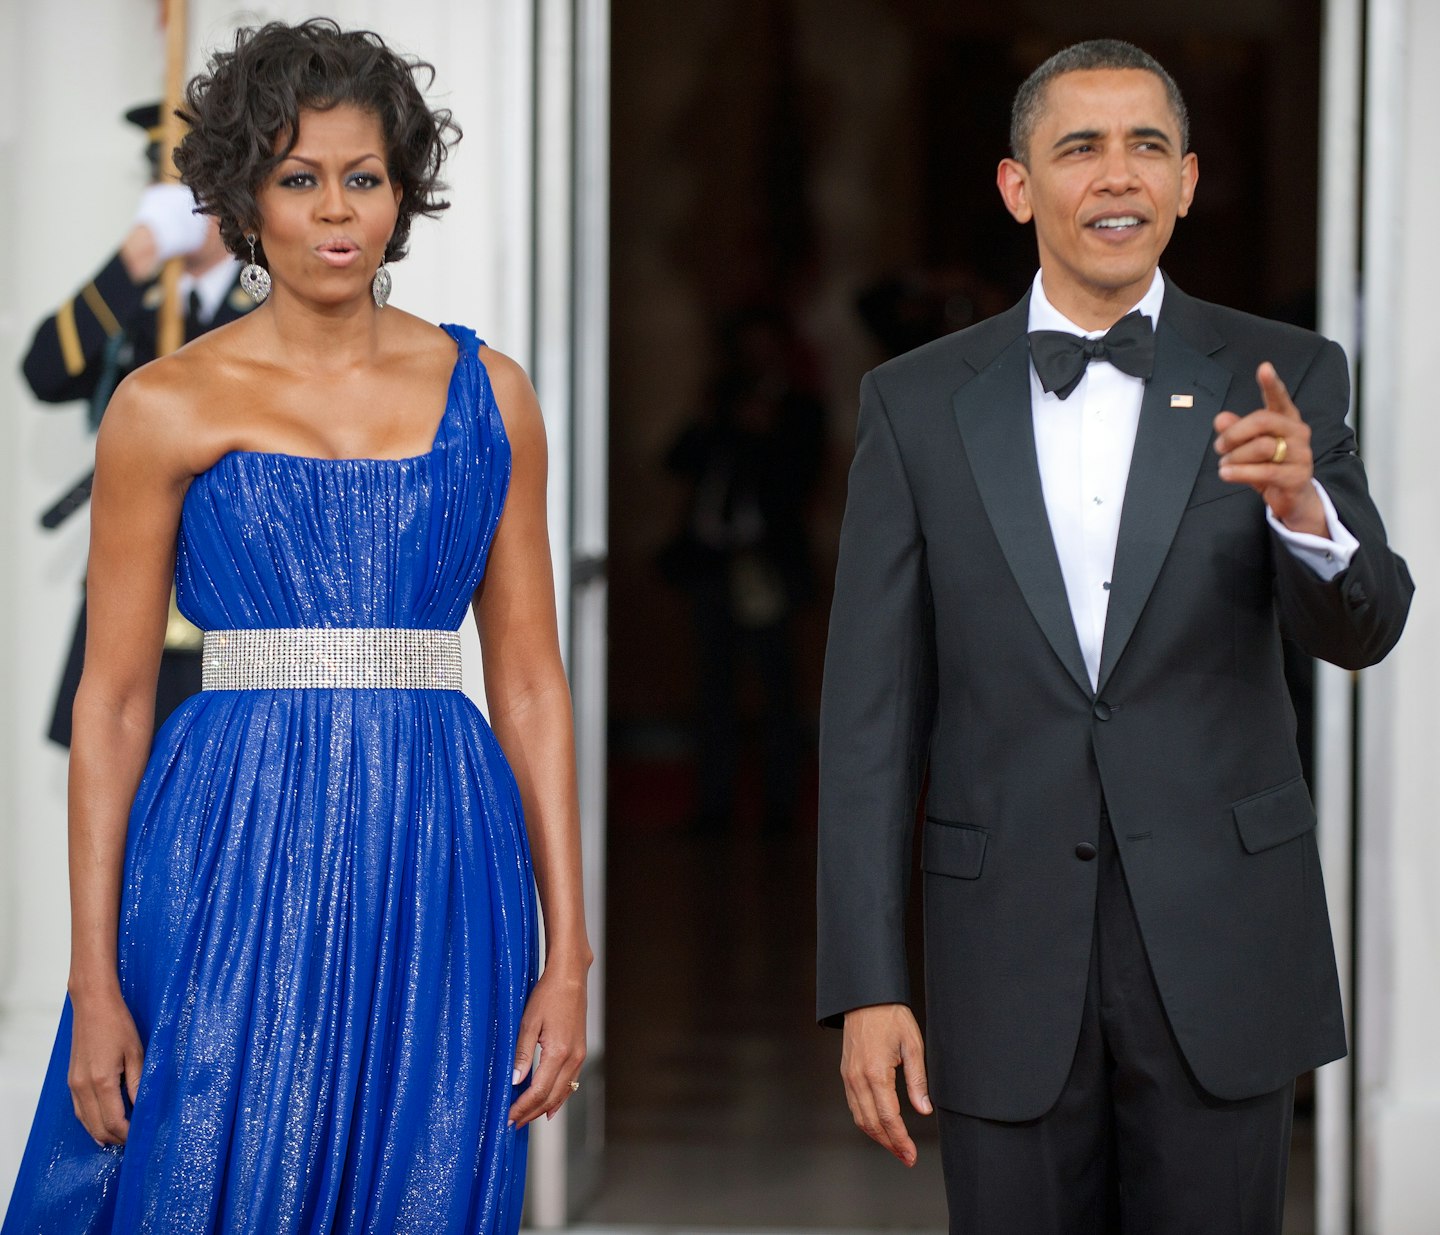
(801, 188)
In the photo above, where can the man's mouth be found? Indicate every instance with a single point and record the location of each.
(1115, 223)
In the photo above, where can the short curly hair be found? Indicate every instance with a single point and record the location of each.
(243, 115)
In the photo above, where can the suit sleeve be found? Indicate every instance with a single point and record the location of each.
(1354, 619)
(875, 716)
(64, 360)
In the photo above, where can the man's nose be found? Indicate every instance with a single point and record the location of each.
(1117, 170)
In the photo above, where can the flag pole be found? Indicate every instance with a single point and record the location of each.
(170, 328)
(170, 333)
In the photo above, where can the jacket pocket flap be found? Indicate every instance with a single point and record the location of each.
(1273, 816)
(954, 849)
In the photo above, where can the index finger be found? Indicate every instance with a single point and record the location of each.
(536, 1100)
(1273, 391)
(111, 1111)
(876, 1106)
(896, 1135)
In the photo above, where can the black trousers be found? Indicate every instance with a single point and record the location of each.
(1133, 1146)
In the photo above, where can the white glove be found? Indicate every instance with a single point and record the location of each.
(168, 212)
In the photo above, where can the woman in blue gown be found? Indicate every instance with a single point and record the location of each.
(302, 994)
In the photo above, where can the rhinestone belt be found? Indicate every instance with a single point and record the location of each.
(320, 658)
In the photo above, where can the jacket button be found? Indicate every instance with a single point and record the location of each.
(1102, 710)
(1085, 851)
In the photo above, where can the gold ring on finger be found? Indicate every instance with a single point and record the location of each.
(1281, 450)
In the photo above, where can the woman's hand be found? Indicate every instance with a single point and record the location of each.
(555, 1019)
(105, 1062)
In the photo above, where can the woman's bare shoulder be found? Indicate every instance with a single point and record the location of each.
(504, 371)
(164, 409)
(513, 390)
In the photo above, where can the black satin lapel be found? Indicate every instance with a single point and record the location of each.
(1171, 445)
(997, 428)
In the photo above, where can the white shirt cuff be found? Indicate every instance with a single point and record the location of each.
(1326, 557)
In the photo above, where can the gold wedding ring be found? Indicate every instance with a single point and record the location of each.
(1281, 449)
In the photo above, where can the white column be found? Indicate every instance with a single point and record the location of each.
(571, 366)
(1340, 185)
(1399, 852)
(68, 70)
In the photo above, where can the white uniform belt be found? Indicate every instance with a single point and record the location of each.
(321, 658)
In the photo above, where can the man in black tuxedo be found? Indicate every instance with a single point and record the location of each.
(1064, 574)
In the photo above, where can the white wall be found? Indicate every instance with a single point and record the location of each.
(73, 168)
(1399, 825)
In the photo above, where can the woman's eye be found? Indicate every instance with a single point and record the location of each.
(365, 180)
(297, 180)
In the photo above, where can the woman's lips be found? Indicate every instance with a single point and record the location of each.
(338, 255)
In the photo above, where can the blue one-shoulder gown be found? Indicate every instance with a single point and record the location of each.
(327, 928)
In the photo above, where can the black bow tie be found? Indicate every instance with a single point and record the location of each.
(1060, 357)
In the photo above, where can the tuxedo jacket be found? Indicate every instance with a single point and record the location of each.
(952, 652)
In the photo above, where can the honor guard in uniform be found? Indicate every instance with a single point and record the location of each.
(107, 329)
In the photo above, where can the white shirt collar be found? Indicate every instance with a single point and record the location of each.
(211, 287)
(1045, 316)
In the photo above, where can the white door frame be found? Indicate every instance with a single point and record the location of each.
(570, 365)
(1341, 107)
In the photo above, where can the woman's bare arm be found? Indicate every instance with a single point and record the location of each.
(139, 485)
(530, 712)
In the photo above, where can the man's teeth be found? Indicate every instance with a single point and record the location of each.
(1128, 220)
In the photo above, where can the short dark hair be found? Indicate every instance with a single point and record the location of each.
(1029, 103)
(243, 114)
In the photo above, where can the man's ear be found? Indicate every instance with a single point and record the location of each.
(1189, 175)
(1012, 178)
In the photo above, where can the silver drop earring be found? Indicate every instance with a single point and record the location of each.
(380, 286)
(254, 278)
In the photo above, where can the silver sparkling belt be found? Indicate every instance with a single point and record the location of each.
(319, 658)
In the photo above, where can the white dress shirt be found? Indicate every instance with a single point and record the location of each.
(210, 288)
(1083, 445)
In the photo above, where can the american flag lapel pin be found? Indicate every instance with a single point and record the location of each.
(1182, 400)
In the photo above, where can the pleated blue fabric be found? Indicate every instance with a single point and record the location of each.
(327, 928)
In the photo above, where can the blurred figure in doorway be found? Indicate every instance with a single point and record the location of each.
(752, 461)
(907, 308)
